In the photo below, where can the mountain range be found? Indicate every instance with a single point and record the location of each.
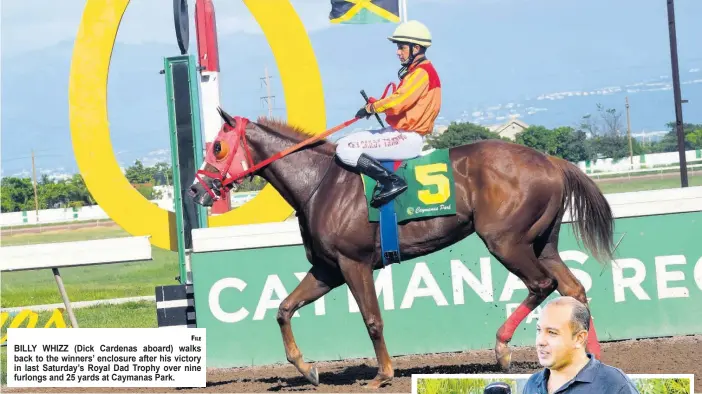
(540, 77)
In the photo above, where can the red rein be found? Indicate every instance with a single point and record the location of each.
(241, 136)
(240, 128)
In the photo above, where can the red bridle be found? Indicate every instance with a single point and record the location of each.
(238, 140)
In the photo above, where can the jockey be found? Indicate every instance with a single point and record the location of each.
(410, 112)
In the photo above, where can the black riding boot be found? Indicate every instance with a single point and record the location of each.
(389, 184)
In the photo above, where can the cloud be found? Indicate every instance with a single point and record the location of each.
(156, 156)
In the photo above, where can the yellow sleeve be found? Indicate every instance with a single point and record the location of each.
(405, 95)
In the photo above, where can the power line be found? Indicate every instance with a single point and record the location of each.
(34, 183)
(268, 96)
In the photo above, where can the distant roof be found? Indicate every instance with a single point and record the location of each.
(498, 128)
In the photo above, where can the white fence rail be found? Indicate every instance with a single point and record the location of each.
(73, 254)
(94, 213)
(691, 169)
(10, 221)
(639, 161)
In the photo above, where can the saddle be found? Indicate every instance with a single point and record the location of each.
(430, 193)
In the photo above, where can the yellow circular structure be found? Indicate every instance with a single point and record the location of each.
(90, 130)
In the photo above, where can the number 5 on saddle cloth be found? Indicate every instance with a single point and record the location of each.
(430, 193)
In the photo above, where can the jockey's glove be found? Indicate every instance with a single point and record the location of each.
(363, 113)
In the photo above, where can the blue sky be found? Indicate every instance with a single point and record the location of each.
(549, 61)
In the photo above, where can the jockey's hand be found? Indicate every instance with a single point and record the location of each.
(363, 113)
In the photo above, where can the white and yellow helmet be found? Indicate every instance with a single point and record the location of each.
(413, 32)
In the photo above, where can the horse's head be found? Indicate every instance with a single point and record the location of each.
(226, 160)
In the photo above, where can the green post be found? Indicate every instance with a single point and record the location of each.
(183, 101)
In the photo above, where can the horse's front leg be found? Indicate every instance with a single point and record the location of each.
(319, 281)
(359, 278)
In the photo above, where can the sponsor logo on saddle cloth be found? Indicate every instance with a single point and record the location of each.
(430, 188)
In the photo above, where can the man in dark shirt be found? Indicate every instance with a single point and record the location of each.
(561, 339)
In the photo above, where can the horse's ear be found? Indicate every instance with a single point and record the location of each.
(227, 118)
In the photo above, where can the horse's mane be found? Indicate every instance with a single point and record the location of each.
(295, 133)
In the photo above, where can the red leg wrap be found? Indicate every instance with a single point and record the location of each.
(593, 345)
(505, 333)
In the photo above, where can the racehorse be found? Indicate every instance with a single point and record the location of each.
(512, 196)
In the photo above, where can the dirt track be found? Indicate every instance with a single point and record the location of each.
(664, 355)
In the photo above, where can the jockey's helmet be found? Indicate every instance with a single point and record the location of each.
(412, 32)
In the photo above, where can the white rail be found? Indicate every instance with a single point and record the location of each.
(690, 169)
(72, 254)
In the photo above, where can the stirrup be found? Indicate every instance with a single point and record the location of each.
(379, 200)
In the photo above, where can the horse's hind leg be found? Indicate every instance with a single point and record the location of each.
(519, 258)
(568, 285)
(359, 278)
(318, 282)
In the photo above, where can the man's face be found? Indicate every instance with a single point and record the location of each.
(403, 52)
(556, 344)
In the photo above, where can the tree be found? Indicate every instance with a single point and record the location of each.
(80, 195)
(609, 122)
(257, 183)
(694, 138)
(611, 119)
(537, 137)
(563, 142)
(460, 134)
(572, 145)
(17, 194)
(614, 146)
(138, 174)
(162, 173)
(669, 142)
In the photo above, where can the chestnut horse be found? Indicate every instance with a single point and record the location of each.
(512, 196)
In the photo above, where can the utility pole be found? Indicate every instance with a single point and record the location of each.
(268, 96)
(628, 133)
(676, 93)
(36, 198)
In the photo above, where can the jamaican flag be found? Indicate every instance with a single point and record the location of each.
(364, 11)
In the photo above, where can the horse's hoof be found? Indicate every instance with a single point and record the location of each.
(313, 376)
(503, 355)
(378, 382)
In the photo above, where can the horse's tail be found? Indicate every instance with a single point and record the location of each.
(592, 217)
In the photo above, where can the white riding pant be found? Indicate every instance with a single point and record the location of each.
(383, 144)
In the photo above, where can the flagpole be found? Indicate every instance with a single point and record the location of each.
(403, 14)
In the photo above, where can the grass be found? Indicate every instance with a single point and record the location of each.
(132, 315)
(89, 282)
(80, 234)
(99, 222)
(459, 385)
(663, 385)
(635, 185)
(477, 385)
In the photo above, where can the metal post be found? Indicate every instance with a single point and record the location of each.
(628, 134)
(676, 92)
(64, 296)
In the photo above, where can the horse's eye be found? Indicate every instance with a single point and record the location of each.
(220, 149)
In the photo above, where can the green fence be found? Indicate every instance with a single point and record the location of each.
(452, 300)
